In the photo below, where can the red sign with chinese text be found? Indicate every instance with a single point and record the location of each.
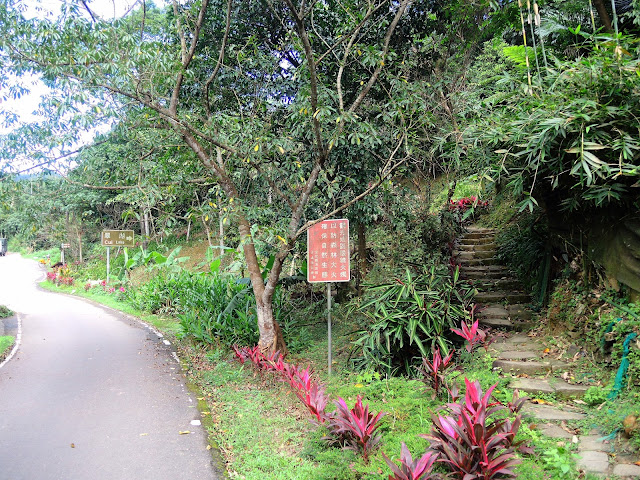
(328, 252)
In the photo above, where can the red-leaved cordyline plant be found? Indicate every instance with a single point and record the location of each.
(433, 371)
(474, 443)
(354, 428)
(309, 392)
(410, 469)
(473, 335)
(241, 353)
(349, 428)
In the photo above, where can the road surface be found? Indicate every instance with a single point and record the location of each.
(91, 394)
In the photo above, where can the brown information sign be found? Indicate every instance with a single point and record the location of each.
(117, 238)
(328, 252)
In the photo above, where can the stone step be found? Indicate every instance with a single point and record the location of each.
(515, 342)
(476, 240)
(500, 296)
(551, 413)
(516, 367)
(478, 262)
(474, 254)
(493, 311)
(556, 386)
(520, 312)
(473, 273)
(518, 355)
(475, 247)
(477, 228)
(503, 323)
(593, 461)
(498, 284)
(554, 431)
(627, 470)
(479, 234)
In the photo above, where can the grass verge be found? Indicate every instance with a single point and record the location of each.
(6, 342)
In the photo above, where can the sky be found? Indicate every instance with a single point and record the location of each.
(28, 104)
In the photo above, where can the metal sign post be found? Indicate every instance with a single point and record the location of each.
(328, 261)
(108, 262)
(62, 248)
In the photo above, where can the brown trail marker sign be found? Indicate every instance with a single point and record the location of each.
(328, 258)
(116, 238)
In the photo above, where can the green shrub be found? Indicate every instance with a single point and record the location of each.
(410, 317)
(5, 312)
(212, 308)
(596, 395)
(524, 248)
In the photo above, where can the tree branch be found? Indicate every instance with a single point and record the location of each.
(385, 50)
(187, 56)
(385, 173)
(313, 79)
(223, 46)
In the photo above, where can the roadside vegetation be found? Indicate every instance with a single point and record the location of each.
(6, 341)
(269, 414)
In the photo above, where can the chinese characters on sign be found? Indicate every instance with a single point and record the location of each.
(117, 238)
(328, 252)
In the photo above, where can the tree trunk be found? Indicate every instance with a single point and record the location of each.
(605, 19)
(145, 228)
(206, 229)
(271, 339)
(80, 231)
(450, 193)
(221, 232)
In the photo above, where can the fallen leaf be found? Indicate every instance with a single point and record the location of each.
(73, 445)
(143, 434)
(184, 432)
(540, 401)
(566, 428)
(208, 447)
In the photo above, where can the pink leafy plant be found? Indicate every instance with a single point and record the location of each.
(410, 469)
(473, 335)
(354, 428)
(434, 370)
(476, 442)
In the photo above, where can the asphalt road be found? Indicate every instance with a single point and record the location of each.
(90, 394)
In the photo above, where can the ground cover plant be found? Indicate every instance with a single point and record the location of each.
(6, 342)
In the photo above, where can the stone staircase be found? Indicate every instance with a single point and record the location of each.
(524, 359)
(501, 301)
